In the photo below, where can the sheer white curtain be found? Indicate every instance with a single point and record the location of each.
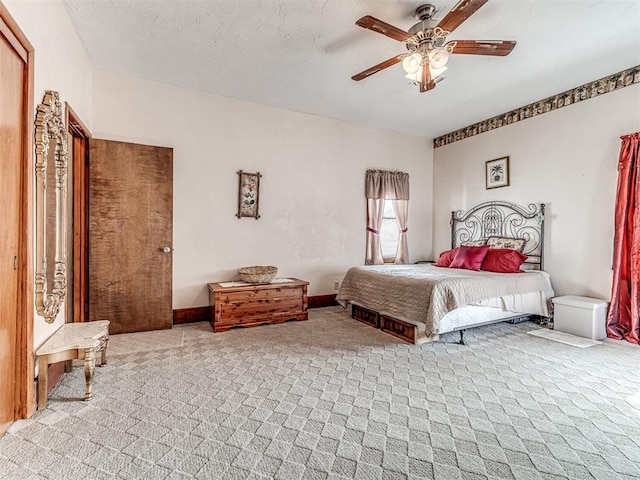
(381, 185)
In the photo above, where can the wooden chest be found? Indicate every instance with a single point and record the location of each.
(251, 305)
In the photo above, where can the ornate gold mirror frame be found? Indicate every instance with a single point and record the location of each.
(51, 206)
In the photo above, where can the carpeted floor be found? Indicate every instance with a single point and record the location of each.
(333, 398)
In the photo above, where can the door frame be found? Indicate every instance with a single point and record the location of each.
(80, 247)
(24, 396)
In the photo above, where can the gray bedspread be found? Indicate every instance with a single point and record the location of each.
(424, 293)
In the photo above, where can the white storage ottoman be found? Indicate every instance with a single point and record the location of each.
(581, 316)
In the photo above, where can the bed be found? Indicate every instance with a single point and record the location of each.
(418, 303)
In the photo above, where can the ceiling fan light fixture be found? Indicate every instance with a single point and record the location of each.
(412, 63)
(436, 72)
(438, 57)
(415, 76)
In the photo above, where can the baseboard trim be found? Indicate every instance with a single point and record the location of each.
(317, 301)
(191, 315)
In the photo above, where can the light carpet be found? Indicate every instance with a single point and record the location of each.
(565, 338)
(332, 398)
(145, 341)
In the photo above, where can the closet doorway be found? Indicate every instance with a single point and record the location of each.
(78, 295)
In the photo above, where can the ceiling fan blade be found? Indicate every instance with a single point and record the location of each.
(375, 69)
(384, 28)
(426, 83)
(458, 14)
(499, 48)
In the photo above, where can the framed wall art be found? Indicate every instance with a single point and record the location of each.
(497, 173)
(248, 194)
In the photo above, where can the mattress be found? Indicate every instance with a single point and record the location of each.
(495, 309)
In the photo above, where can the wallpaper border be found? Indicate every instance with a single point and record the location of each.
(607, 84)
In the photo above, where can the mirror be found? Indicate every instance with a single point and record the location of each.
(51, 206)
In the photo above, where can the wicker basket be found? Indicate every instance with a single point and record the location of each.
(257, 274)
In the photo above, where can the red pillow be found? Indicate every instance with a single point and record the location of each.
(503, 260)
(445, 258)
(469, 257)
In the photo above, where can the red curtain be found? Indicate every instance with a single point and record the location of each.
(623, 320)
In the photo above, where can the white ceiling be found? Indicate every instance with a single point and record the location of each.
(301, 54)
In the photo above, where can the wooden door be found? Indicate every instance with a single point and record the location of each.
(14, 79)
(130, 223)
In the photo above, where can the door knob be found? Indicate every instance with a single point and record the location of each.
(166, 249)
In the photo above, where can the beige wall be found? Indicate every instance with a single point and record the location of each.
(567, 159)
(61, 62)
(312, 191)
(60, 65)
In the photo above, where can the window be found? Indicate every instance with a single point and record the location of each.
(386, 219)
(389, 233)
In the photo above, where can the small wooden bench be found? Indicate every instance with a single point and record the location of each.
(71, 341)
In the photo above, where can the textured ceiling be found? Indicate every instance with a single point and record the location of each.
(301, 54)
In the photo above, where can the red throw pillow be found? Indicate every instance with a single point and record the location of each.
(445, 258)
(503, 260)
(469, 257)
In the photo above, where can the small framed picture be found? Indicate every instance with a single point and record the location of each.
(248, 194)
(497, 173)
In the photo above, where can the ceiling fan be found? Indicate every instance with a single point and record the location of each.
(426, 42)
